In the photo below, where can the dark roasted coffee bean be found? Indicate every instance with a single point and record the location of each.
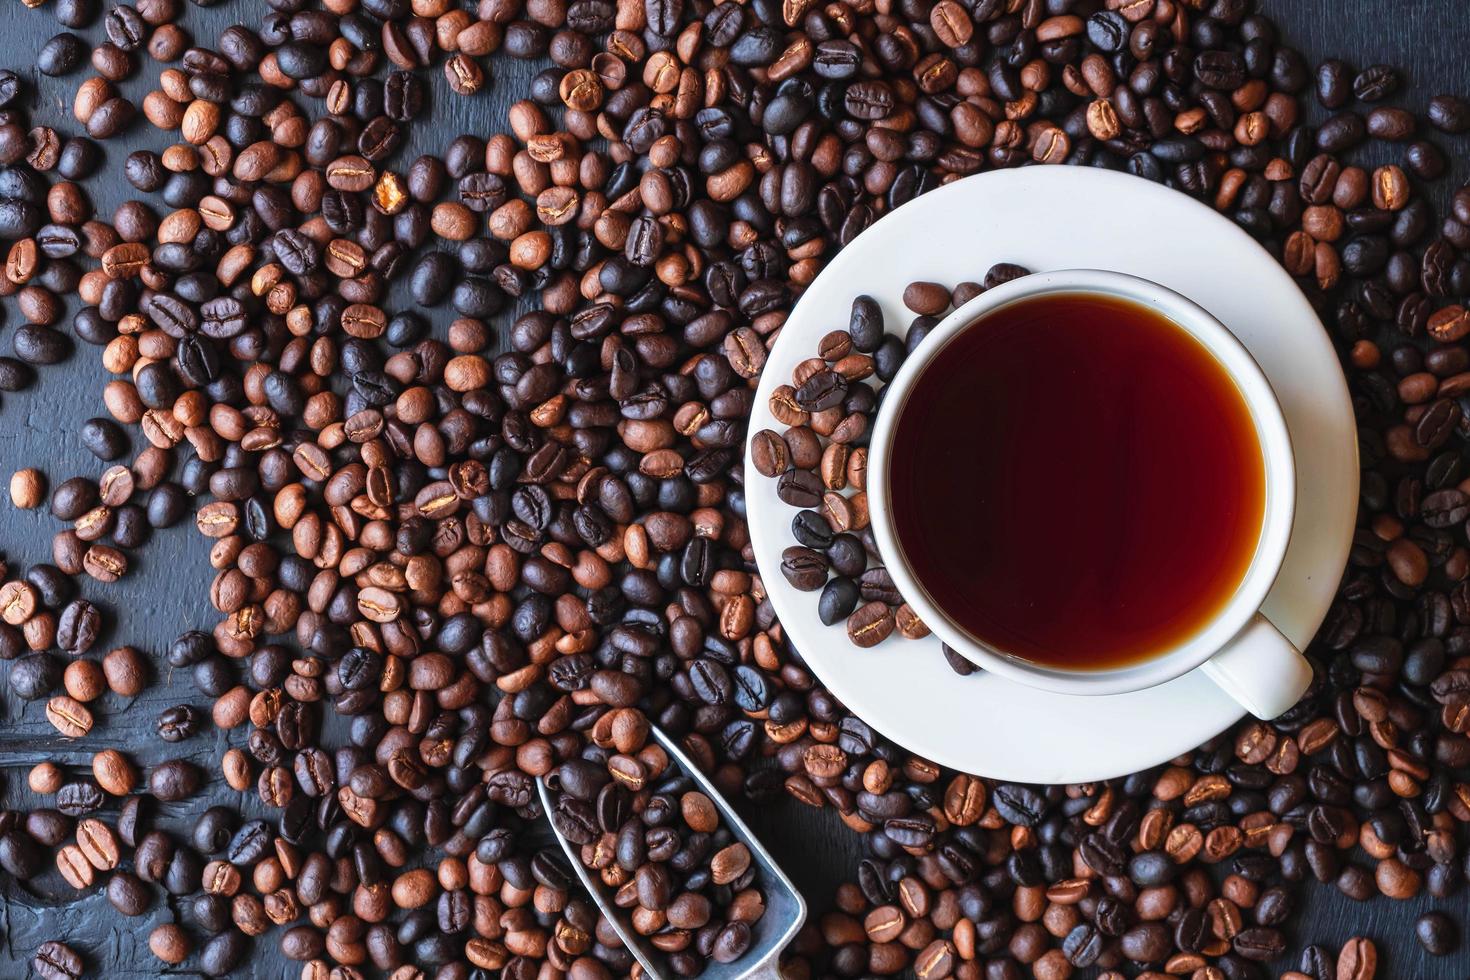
(40, 345)
(1449, 114)
(174, 780)
(78, 626)
(800, 488)
(1375, 83)
(839, 598)
(1334, 83)
(1259, 944)
(223, 953)
(34, 676)
(104, 438)
(178, 723)
(1437, 933)
(128, 894)
(61, 55)
(57, 961)
(20, 855)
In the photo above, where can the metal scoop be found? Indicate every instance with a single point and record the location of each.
(785, 908)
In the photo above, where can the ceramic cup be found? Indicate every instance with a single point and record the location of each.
(1240, 650)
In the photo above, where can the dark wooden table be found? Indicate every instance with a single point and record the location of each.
(166, 592)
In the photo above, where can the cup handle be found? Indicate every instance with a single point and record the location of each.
(1261, 669)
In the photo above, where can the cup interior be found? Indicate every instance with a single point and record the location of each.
(1271, 437)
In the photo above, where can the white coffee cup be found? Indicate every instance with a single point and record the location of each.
(1239, 649)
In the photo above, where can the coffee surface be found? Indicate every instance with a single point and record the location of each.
(1078, 482)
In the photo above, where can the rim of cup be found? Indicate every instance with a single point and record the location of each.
(1272, 437)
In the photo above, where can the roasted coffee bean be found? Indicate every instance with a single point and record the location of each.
(20, 855)
(78, 626)
(178, 723)
(174, 780)
(61, 55)
(34, 676)
(57, 961)
(69, 717)
(104, 438)
(169, 943)
(839, 598)
(1437, 933)
(128, 894)
(1375, 83)
(804, 568)
(79, 798)
(870, 624)
(1449, 114)
(223, 953)
(27, 488)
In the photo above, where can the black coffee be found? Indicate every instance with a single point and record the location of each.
(1078, 482)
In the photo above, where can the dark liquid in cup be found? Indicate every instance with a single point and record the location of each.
(1078, 482)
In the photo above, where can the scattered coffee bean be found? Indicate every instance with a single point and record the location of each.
(169, 943)
(27, 488)
(1437, 933)
(57, 961)
(174, 780)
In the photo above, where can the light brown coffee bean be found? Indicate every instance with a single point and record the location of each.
(926, 298)
(699, 812)
(68, 716)
(27, 488)
(113, 772)
(75, 869)
(98, 843)
(1358, 960)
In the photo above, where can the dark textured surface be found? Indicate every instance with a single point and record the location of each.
(167, 591)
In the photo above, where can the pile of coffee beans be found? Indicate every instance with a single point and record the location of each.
(465, 431)
(657, 844)
(41, 612)
(819, 461)
(42, 226)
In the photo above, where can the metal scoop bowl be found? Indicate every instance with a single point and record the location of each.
(785, 909)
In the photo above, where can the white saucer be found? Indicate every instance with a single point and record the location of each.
(1068, 218)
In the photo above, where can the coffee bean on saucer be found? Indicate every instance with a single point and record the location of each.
(770, 453)
(870, 624)
(804, 568)
(926, 298)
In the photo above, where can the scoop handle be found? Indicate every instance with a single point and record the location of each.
(768, 968)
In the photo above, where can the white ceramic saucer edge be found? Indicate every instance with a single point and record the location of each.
(1054, 218)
